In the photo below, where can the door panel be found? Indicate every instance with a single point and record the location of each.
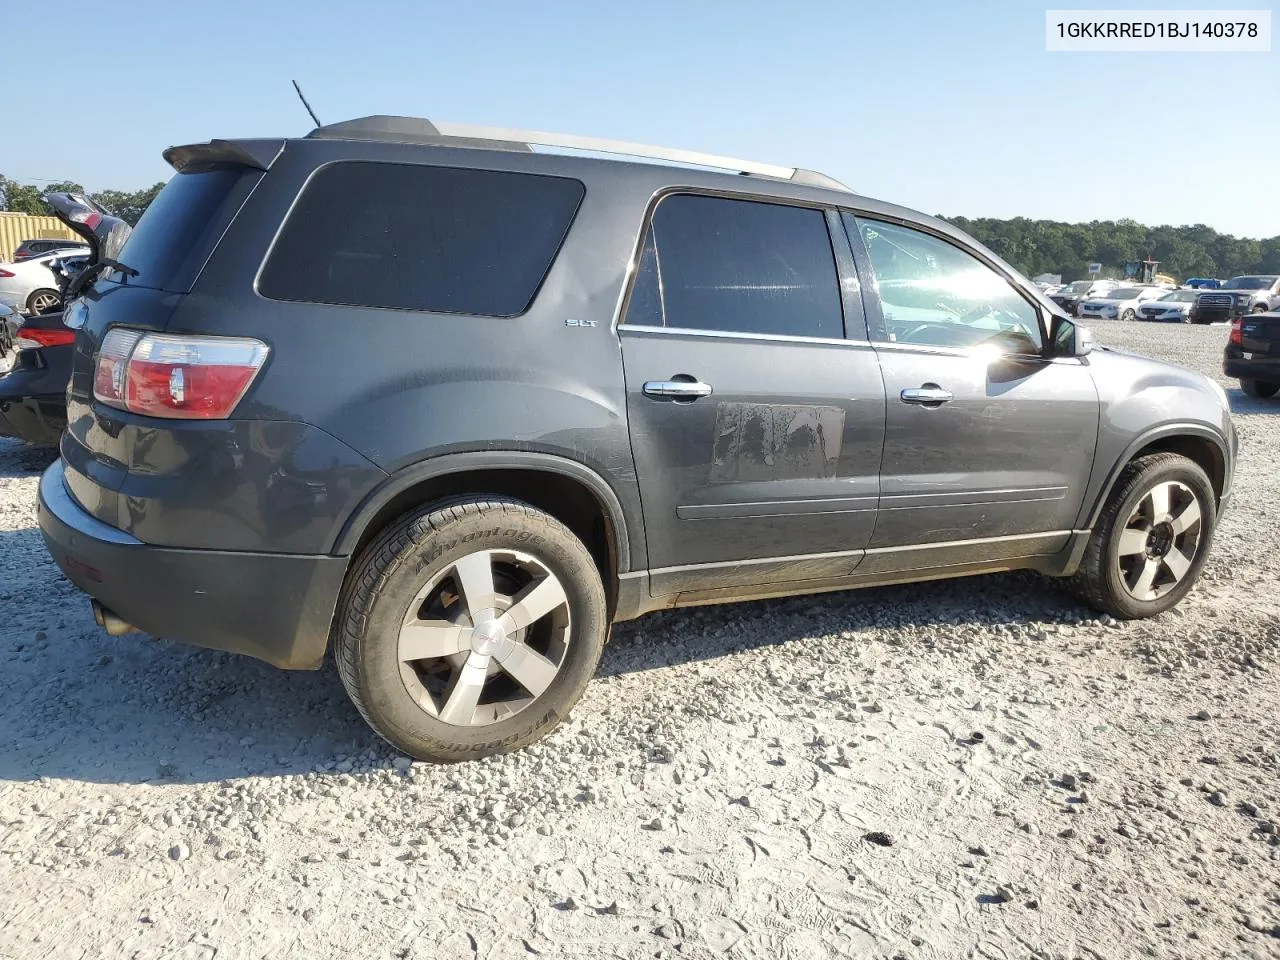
(986, 439)
(1010, 454)
(782, 459)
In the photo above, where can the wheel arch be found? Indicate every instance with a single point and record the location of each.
(571, 492)
(1198, 443)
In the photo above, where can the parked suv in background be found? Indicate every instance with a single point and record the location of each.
(1236, 298)
(34, 248)
(454, 406)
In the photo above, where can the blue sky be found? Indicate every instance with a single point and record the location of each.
(950, 107)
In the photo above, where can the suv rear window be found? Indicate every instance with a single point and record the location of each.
(173, 239)
(413, 237)
(737, 266)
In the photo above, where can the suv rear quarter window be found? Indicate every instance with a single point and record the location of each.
(415, 237)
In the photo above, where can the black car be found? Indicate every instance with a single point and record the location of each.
(1252, 354)
(35, 362)
(449, 407)
(33, 387)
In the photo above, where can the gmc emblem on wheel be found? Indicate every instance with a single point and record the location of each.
(579, 323)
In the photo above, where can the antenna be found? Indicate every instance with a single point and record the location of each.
(307, 105)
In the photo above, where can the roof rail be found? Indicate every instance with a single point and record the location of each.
(415, 129)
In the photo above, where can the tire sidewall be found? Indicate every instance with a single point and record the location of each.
(391, 708)
(1182, 471)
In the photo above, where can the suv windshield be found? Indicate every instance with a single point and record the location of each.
(1079, 287)
(1248, 283)
(176, 234)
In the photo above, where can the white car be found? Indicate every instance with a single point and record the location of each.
(30, 286)
(1173, 307)
(1120, 304)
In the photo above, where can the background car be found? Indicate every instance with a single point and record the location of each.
(30, 286)
(1256, 293)
(1173, 307)
(35, 365)
(35, 248)
(1121, 303)
(1070, 296)
(1252, 354)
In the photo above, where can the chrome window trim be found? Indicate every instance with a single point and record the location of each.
(725, 335)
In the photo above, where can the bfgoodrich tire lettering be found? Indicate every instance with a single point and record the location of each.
(1151, 541)
(528, 638)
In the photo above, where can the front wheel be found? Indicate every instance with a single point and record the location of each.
(1260, 308)
(1259, 388)
(470, 628)
(1153, 537)
(1128, 315)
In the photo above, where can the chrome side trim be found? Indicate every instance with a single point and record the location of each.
(977, 541)
(968, 498)
(775, 508)
(722, 335)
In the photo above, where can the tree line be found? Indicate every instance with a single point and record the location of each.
(1033, 246)
(1049, 246)
(28, 198)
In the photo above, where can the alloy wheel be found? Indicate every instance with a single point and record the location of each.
(484, 638)
(1159, 542)
(40, 302)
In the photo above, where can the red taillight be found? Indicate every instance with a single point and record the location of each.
(1236, 335)
(6, 273)
(47, 338)
(180, 377)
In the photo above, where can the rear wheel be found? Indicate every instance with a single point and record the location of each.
(1259, 388)
(42, 300)
(470, 628)
(1150, 544)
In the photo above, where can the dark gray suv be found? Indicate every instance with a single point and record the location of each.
(454, 406)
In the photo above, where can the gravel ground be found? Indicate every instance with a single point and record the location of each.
(980, 768)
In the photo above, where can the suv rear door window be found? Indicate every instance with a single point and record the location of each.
(412, 237)
(737, 266)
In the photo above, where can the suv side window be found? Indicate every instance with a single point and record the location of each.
(935, 294)
(414, 237)
(737, 266)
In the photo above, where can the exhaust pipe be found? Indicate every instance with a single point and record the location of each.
(108, 620)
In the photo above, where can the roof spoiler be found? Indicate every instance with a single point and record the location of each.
(194, 157)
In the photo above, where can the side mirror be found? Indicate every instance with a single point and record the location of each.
(1070, 340)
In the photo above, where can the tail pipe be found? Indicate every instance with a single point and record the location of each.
(108, 620)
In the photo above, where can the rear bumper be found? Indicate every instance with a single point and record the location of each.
(275, 607)
(1265, 368)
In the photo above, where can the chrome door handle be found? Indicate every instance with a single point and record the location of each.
(930, 395)
(677, 389)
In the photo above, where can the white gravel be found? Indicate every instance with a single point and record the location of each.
(979, 768)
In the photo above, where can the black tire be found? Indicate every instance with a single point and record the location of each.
(409, 555)
(1260, 308)
(1128, 315)
(1099, 581)
(1259, 388)
(36, 297)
